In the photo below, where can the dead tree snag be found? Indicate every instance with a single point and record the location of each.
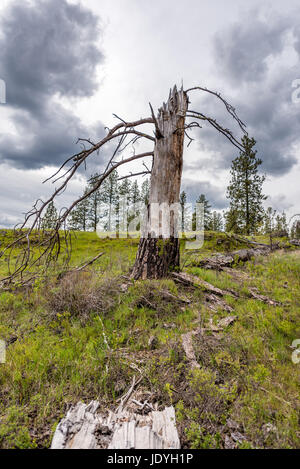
(158, 251)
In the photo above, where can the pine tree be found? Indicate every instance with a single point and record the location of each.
(94, 203)
(206, 208)
(135, 194)
(145, 191)
(216, 222)
(109, 190)
(281, 225)
(295, 230)
(232, 221)
(78, 220)
(123, 205)
(182, 201)
(245, 188)
(50, 217)
(135, 199)
(269, 220)
(269, 226)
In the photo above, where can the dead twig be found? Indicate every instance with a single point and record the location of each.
(127, 395)
(79, 269)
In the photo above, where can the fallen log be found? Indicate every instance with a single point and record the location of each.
(191, 280)
(222, 261)
(246, 241)
(187, 339)
(85, 428)
(168, 296)
(188, 279)
(214, 303)
(295, 242)
(253, 293)
(187, 344)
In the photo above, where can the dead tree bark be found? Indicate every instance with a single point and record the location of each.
(158, 251)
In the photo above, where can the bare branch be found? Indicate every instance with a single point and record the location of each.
(79, 269)
(228, 106)
(226, 132)
(131, 175)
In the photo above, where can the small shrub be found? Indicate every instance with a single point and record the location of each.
(81, 293)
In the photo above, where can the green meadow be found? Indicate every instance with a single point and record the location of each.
(74, 336)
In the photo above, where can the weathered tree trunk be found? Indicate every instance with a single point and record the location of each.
(158, 251)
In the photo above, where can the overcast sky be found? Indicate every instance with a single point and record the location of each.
(68, 66)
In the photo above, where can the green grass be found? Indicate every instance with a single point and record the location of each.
(81, 338)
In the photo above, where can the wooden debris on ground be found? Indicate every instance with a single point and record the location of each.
(238, 275)
(223, 323)
(187, 344)
(187, 339)
(81, 268)
(214, 303)
(246, 241)
(85, 428)
(151, 299)
(295, 242)
(168, 296)
(253, 293)
(191, 280)
(221, 261)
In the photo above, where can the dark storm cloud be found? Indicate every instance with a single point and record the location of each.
(264, 100)
(241, 50)
(48, 48)
(47, 142)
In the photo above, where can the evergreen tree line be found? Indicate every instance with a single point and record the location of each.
(103, 204)
(245, 215)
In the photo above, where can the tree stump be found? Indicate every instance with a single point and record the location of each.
(85, 428)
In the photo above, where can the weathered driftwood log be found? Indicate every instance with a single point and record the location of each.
(85, 428)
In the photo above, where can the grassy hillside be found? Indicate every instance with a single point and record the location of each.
(83, 336)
